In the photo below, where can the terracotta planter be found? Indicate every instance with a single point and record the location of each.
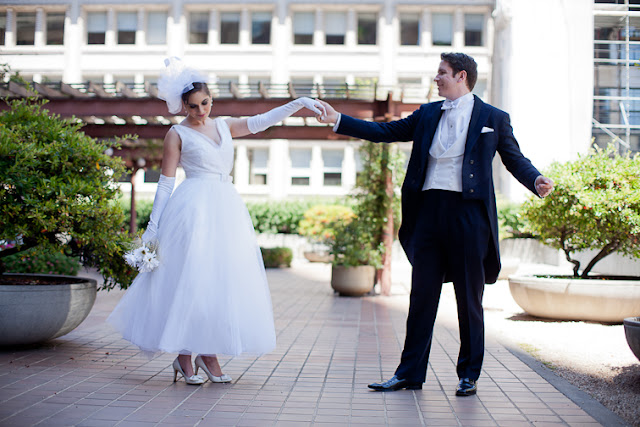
(31, 314)
(608, 301)
(353, 281)
(632, 332)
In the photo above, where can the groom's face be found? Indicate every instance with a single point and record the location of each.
(448, 83)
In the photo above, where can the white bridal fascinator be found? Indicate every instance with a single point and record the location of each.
(175, 80)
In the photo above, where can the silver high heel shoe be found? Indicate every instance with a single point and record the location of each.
(193, 379)
(224, 378)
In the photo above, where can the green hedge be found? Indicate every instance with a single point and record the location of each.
(143, 212)
(277, 257)
(281, 216)
(36, 261)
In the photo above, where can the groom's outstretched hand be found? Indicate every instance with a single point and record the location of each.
(544, 185)
(331, 114)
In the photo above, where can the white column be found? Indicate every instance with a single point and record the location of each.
(37, 77)
(277, 180)
(317, 165)
(318, 33)
(214, 28)
(387, 40)
(241, 167)
(73, 41)
(245, 28)
(40, 30)
(280, 41)
(458, 30)
(176, 31)
(351, 38)
(10, 32)
(110, 36)
(141, 28)
(425, 29)
(349, 168)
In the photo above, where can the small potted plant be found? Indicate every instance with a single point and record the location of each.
(595, 206)
(356, 256)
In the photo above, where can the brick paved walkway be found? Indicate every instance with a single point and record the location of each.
(329, 349)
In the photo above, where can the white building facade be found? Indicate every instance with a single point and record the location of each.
(526, 54)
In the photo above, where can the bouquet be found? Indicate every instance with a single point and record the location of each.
(143, 258)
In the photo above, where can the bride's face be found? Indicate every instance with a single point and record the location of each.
(199, 105)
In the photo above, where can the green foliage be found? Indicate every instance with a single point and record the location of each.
(595, 205)
(360, 241)
(278, 216)
(143, 212)
(511, 223)
(36, 261)
(276, 257)
(320, 221)
(57, 188)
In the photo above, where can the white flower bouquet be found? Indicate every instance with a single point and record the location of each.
(144, 258)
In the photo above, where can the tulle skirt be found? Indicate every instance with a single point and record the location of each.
(210, 293)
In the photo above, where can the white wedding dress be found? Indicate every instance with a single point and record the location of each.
(210, 293)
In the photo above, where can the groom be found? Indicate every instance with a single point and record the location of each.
(449, 219)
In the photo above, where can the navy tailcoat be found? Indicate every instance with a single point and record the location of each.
(489, 132)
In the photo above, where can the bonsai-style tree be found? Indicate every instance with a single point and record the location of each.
(595, 205)
(58, 192)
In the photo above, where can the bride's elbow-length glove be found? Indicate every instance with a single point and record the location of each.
(163, 193)
(263, 121)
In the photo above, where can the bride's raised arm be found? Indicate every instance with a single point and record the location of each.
(260, 122)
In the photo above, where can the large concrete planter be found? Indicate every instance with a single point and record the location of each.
(632, 332)
(608, 301)
(353, 281)
(31, 314)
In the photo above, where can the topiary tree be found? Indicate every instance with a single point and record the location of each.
(595, 205)
(57, 191)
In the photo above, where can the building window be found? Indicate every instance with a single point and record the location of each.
(3, 26)
(333, 87)
(261, 27)
(332, 167)
(199, 27)
(55, 28)
(442, 29)
(229, 28)
(25, 28)
(367, 28)
(152, 175)
(96, 27)
(127, 26)
(300, 166)
(258, 159)
(303, 86)
(473, 24)
(409, 29)
(303, 27)
(335, 27)
(156, 28)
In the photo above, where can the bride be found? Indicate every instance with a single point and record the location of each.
(209, 294)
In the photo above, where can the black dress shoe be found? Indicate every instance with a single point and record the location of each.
(467, 387)
(394, 384)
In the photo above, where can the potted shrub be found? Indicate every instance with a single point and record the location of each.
(318, 226)
(57, 193)
(356, 255)
(595, 206)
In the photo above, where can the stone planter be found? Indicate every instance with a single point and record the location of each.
(596, 300)
(353, 281)
(632, 332)
(31, 314)
(318, 256)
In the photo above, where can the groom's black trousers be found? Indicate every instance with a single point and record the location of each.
(450, 241)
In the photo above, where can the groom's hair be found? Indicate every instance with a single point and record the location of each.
(459, 62)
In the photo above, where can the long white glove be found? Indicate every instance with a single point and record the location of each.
(163, 193)
(263, 121)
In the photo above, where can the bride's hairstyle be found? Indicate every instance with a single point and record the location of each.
(178, 81)
(197, 87)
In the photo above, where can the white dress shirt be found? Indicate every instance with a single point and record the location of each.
(444, 170)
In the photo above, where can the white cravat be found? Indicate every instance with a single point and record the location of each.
(444, 170)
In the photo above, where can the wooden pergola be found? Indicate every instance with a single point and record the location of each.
(110, 111)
